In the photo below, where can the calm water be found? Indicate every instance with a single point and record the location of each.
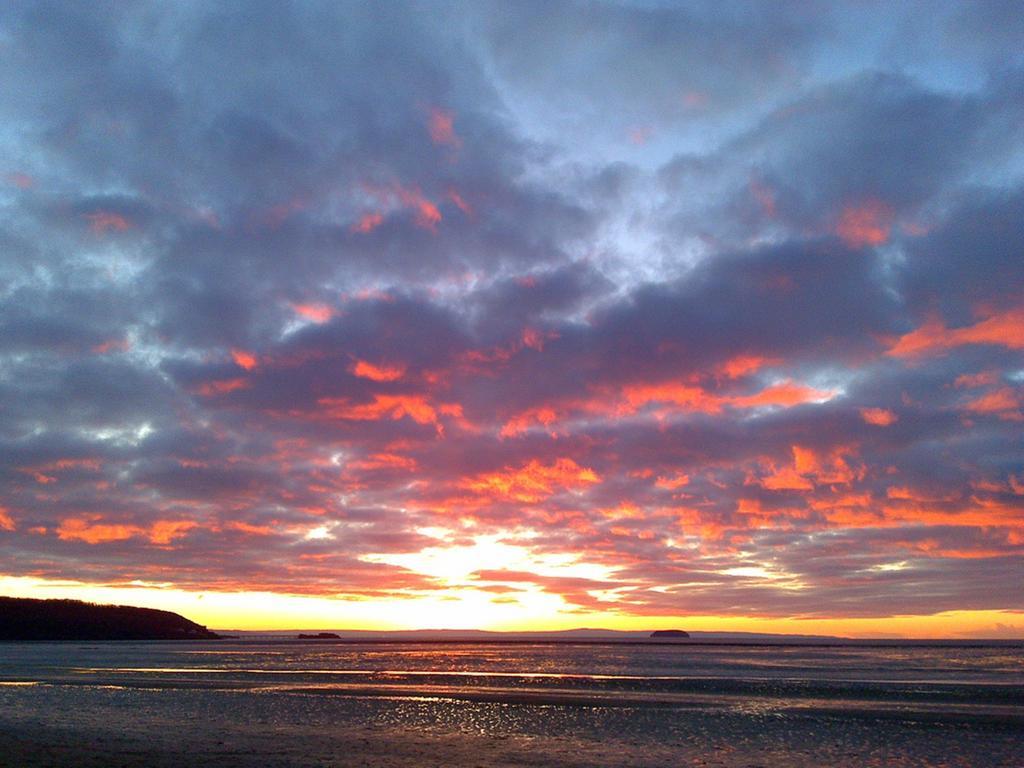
(903, 705)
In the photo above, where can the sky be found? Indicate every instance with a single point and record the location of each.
(526, 315)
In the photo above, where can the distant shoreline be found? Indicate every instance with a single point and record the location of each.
(837, 643)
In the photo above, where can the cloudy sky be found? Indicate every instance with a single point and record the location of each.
(516, 314)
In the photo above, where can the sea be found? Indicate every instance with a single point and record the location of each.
(724, 704)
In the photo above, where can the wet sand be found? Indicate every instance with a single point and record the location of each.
(278, 705)
(79, 726)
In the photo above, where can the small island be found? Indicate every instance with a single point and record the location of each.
(669, 634)
(321, 636)
(29, 619)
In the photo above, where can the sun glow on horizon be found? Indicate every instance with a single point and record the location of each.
(470, 609)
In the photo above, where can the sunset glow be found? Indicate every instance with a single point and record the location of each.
(721, 330)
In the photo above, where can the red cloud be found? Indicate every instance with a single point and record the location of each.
(672, 483)
(221, 387)
(243, 359)
(6, 522)
(253, 530)
(672, 397)
(367, 223)
(373, 372)
(166, 531)
(38, 471)
(426, 213)
(85, 529)
(533, 481)
(786, 394)
(865, 223)
(523, 421)
(972, 380)
(106, 221)
(88, 529)
(743, 365)
(460, 203)
(880, 417)
(112, 345)
(1004, 329)
(385, 461)
(392, 407)
(810, 469)
(1005, 403)
(317, 313)
(441, 127)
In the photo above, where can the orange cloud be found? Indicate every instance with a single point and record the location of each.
(972, 380)
(1005, 402)
(743, 365)
(866, 223)
(978, 514)
(106, 221)
(672, 396)
(880, 417)
(441, 127)
(624, 511)
(686, 397)
(427, 216)
(373, 372)
(810, 469)
(673, 483)
(243, 359)
(385, 461)
(166, 531)
(533, 481)
(6, 522)
(530, 339)
(905, 493)
(460, 202)
(392, 407)
(1004, 329)
(787, 479)
(222, 387)
(367, 223)
(534, 339)
(316, 313)
(426, 213)
(252, 530)
(85, 529)
(518, 424)
(112, 345)
(37, 471)
(786, 394)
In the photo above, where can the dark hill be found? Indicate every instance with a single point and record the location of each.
(26, 619)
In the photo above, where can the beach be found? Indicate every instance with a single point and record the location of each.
(282, 704)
